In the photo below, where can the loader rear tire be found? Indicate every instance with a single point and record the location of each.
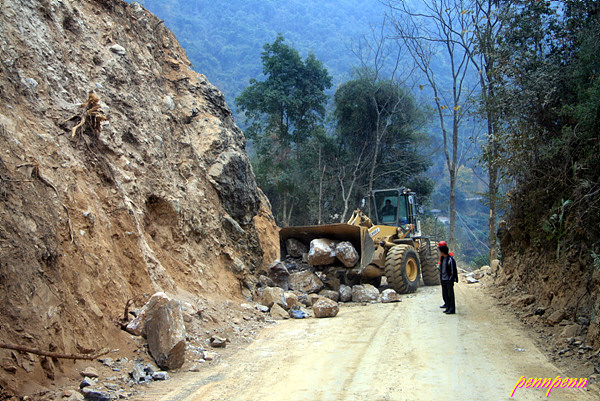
(402, 268)
(429, 269)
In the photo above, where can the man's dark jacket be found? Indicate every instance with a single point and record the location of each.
(452, 272)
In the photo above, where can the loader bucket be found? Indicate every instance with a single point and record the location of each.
(357, 235)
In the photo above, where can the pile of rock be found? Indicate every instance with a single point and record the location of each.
(95, 387)
(482, 274)
(323, 252)
(297, 289)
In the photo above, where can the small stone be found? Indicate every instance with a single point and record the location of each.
(297, 314)
(280, 275)
(305, 281)
(570, 331)
(137, 373)
(196, 367)
(303, 299)
(210, 356)
(524, 300)
(388, 296)
(162, 375)
(89, 372)
(95, 394)
(118, 49)
(312, 298)
(168, 103)
(262, 308)
(31, 82)
(291, 300)
(218, 342)
(87, 381)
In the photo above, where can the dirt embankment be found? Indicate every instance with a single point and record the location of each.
(150, 189)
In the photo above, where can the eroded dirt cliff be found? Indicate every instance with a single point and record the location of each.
(151, 190)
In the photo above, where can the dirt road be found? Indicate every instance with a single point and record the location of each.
(403, 351)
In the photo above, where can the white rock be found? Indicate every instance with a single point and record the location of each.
(388, 296)
(346, 253)
(345, 293)
(118, 49)
(364, 293)
(322, 252)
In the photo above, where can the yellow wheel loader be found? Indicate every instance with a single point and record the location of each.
(392, 246)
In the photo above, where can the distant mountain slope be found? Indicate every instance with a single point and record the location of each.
(224, 39)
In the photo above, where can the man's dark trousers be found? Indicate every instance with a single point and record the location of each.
(448, 295)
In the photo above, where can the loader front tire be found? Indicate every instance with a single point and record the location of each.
(429, 269)
(402, 268)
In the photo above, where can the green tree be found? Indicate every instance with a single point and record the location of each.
(550, 112)
(285, 110)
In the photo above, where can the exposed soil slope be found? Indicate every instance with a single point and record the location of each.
(150, 190)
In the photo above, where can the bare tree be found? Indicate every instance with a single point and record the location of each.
(348, 187)
(381, 64)
(437, 32)
(487, 22)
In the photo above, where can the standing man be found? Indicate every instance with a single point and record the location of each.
(448, 276)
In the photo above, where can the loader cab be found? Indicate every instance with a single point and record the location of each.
(395, 207)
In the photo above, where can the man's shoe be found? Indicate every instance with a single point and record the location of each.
(444, 306)
(449, 312)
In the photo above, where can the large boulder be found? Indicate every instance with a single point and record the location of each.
(322, 252)
(364, 293)
(273, 295)
(333, 295)
(346, 253)
(295, 248)
(325, 307)
(165, 331)
(137, 325)
(345, 293)
(305, 281)
(331, 282)
(278, 313)
(279, 274)
(291, 300)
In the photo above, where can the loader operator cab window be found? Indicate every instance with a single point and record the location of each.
(388, 212)
(402, 212)
(391, 207)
